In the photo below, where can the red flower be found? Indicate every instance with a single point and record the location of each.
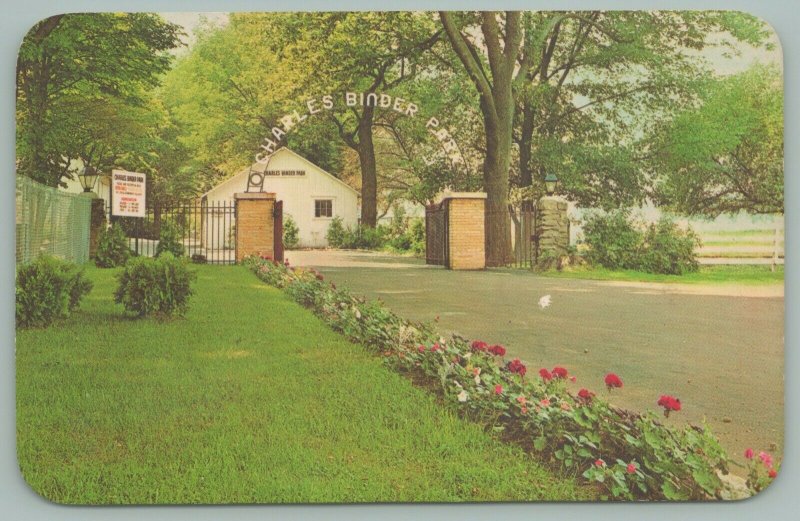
(572, 378)
(524, 410)
(559, 372)
(479, 346)
(599, 463)
(631, 468)
(545, 374)
(772, 473)
(497, 350)
(421, 349)
(613, 381)
(544, 402)
(585, 395)
(748, 453)
(516, 366)
(498, 389)
(435, 347)
(669, 403)
(521, 399)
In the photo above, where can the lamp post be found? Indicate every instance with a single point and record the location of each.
(88, 178)
(550, 183)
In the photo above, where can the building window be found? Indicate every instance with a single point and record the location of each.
(323, 208)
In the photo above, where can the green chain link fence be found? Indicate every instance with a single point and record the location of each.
(51, 222)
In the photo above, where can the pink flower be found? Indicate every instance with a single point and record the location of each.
(497, 350)
(435, 347)
(599, 463)
(572, 379)
(544, 402)
(613, 381)
(516, 366)
(498, 389)
(521, 400)
(559, 372)
(631, 468)
(669, 403)
(421, 349)
(748, 453)
(766, 459)
(479, 346)
(524, 410)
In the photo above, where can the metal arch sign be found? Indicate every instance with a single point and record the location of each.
(327, 102)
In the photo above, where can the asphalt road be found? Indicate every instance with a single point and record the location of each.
(721, 354)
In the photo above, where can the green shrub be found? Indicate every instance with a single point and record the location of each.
(112, 248)
(613, 241)
(669, 250)
(362, 237)
(616, 243)
(291, 233)
(48, 289)
(169, 240)
(416, 233)
(155, 286)
(336, 233)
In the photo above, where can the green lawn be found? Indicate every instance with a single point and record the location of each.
(721, 274)
(250, 398)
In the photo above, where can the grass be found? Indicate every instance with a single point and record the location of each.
(248, 399)
(724, 274)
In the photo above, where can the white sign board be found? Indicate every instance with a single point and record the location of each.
(127, 193)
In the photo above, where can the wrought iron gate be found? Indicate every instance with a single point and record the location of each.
(277, 214)
(526, 241)
(437, 234)
(205, 229)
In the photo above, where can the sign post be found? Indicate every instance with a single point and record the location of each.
(128, 189)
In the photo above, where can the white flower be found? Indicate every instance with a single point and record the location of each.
(477, 379)
(462, 396)
(544, 301)
(358, 314)
(467, 356)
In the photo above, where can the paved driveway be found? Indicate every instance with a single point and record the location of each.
(721, 353)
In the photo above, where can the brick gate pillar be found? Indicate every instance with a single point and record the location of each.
(254, 224)
(465, 230)
(552, 228)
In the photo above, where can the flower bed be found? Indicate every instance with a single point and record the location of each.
(630, 455)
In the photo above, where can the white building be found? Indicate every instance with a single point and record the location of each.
(310, 195)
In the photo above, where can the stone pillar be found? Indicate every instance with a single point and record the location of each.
(466, 216)
(254, 224)
(97, 223)
(552, 229)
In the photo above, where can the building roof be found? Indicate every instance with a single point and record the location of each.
(257, 167)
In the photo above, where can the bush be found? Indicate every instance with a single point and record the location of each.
(336, 233)
(362, 237)
(112, 248)
(155, 286)
(669, 250)
(169, 240)
(48, 289)
(613, 241)
(616, 243)
(291, 233)
(416, 234)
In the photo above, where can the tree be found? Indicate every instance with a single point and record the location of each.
(363, 52)
(727, 154)
(80, 69)
(523, 67)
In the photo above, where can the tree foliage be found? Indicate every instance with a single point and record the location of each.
(727, 154)
(82, 84)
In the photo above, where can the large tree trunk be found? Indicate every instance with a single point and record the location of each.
(496, 179)
(369, 177)
(526, 137)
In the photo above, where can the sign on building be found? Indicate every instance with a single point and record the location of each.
(127, 193)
